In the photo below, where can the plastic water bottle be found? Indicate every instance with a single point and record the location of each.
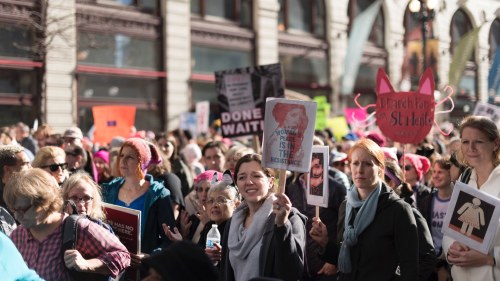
(213, 236)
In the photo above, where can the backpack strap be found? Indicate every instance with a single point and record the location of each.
(70, 233)
(465, 176)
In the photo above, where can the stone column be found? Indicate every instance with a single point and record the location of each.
(266, 31)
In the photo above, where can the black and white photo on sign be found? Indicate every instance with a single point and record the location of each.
(288, 134)
(472, 217)
(317, 179)
(242, 93)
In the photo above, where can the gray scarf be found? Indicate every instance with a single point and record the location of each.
(363, 219)
(244, 243)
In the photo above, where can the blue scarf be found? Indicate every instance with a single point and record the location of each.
(363, 219)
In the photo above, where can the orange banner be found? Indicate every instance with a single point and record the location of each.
(111, 121)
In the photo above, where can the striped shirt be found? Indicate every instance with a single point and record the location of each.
(93, 241)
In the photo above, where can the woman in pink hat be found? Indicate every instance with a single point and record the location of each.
(101, 160)
(137, 190)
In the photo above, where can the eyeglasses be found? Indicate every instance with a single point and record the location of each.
(84, 199)
(22, 211)
(55, 167)
(218, 201)
(408, 167)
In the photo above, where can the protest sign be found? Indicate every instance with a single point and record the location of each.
(126, 224)
(322, 113)
(317, 179)
(202, 115)
(111, 121)
(488, 110)
(288, 134)
(472, 217)
(339, 127)
(242, 94)
(405, 117)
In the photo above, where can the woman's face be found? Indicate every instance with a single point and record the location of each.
(252, 183)
(441, 177)
(202, 192)
(476, 147)
(99, 164)
(220, 205)
(129, 161)
(365, 173)
(293, 118)
(410, 172)
(61, 173)
(83, 196)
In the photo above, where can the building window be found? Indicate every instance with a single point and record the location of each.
(494, 37)
(376, 37)
(239, 11)
(146, 6)
(117, 50)
(17, 41)
(303, 16)
(206, 60)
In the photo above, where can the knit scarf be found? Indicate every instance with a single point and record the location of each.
(363, 219)
(243, 243)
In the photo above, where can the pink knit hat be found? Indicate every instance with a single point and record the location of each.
(421, 163)
(103, 154)
(207, 176)
(148, 153)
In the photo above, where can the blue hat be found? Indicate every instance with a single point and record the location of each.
(350, 136)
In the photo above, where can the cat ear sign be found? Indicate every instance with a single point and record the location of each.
(384, 85)
(426, 85)
(214, 179)
(227, 178)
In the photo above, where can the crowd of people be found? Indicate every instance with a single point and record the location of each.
(384, 218)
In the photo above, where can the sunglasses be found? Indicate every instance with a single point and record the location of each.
(55, 167)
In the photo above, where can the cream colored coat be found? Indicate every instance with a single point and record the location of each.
(485, 272)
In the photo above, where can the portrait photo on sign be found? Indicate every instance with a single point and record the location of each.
(317, 180)
(288, 134)
(472, 217)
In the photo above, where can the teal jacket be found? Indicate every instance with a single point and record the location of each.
(157, 210)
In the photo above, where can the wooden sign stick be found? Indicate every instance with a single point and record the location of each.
(282, 181)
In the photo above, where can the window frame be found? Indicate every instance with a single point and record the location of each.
(286, 21)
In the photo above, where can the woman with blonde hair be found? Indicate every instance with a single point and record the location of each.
(378, 229)
(480, 149)
(34, 197)
(52, 159)
(82, 190)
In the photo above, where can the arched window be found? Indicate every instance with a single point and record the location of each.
(374, 53)
(303, 16)
(466, 94)
(494, 37)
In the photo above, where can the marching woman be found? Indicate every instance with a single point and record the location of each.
(481, 151)
(266, 236)
(378, 228)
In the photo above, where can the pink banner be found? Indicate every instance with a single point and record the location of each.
(359, 114)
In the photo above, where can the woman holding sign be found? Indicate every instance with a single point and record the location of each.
(138, 190)
(378, 229)
(480, 149)
(266, 236)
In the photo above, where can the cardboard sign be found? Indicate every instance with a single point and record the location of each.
(242, 94)
(126, 223)
(339, 127)
(288, 134)
(472, 217)
(202, 115)
(111, 121)
(405, 117)
(488, 110)
(317, 179)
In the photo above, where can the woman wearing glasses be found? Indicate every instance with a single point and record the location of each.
(480, 148)
(34, 197)
(415, 167)
(52, 159)
(82, 190)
